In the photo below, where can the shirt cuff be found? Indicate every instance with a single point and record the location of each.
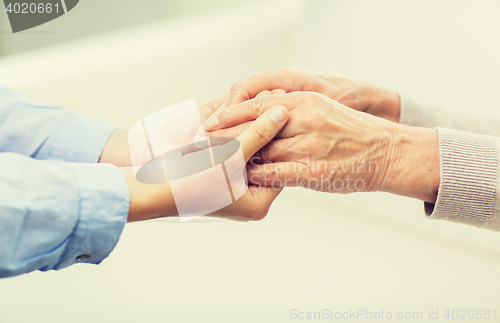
(104, 206)
(80, 139)
(469, 175)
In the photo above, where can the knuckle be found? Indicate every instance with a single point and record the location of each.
(239, 92)
(236, 86)
(263, 153)
(261, 134)
(271, 176)
(257, 104)
(275, 177)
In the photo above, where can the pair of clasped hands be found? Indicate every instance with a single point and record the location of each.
(318, 131)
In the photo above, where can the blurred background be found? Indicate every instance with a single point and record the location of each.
(122, 60)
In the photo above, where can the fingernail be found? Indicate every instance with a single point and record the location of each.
(212, 123)
(277, 115)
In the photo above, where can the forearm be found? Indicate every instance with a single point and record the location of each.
(148, 201)
(47, 132)
(456, 173)
(55, 214)
(382, 103)
(116, 151)
(413, 169)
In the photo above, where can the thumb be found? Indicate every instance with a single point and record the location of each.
(262, 130)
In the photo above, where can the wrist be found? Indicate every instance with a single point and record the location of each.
(116, 150)
(148, 201)
(413, 164)
(383, 103)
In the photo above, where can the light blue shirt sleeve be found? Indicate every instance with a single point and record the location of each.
(57, 206)
(43, 131)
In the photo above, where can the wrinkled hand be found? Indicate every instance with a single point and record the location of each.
(329, 147)
(321, 147)
(353, 93)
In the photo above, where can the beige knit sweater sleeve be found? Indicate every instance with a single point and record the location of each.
(469, 154)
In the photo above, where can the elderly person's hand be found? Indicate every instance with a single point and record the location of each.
(354, 93)
(329, 147)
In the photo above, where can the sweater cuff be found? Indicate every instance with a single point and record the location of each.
(469, 174)
(417, 115)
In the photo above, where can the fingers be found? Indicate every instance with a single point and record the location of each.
(264, 93)
(209, 108)
(276, 175)
(263, 130)
(267, 92)
(278, 91)
(232, 132)
(200, 145)
(250, 87)
(209, 125)
(200, 142)
(250, 110)
(278, 150)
